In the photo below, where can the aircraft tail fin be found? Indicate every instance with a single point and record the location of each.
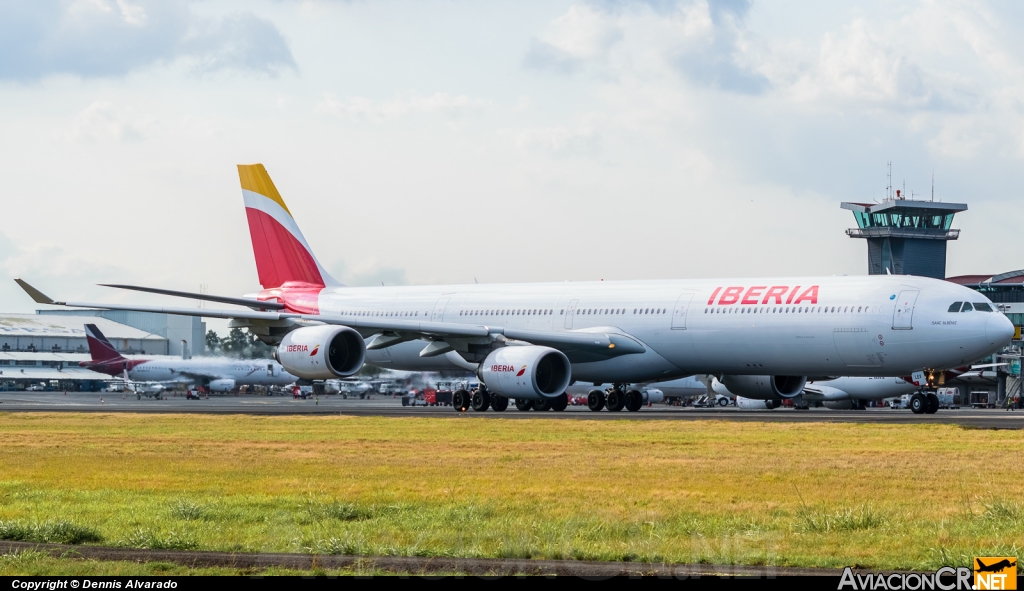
(282, 253)
(100, 348)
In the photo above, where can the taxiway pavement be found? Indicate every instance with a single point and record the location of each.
(392, 407)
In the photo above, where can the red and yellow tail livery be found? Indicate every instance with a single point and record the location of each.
(282, 253)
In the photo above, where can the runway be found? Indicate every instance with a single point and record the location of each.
(392, 407)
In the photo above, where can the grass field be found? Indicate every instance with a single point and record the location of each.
(789, 494)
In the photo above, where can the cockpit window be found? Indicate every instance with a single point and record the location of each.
(982, 307)
(967, 307)
(955, 307)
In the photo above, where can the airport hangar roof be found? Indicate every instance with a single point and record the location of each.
(1009, 278)
(50, 373)
(35, 325)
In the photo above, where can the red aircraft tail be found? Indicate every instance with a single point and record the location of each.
(282, 253)
(100, 348)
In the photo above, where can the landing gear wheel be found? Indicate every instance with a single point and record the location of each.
(634, 400)
(499, 403)
(558, 403)
(595, 400)
(918, 403)
(523, 405)
(933, 404)
(460, 400)
(616, 400)
(723, 402)
(138, 396)
(481, 401)
(544, 404)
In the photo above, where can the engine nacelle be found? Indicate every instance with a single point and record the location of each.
(322, 352)
(528, 372)
(826, 394)
(751, 404)
(765, 387)
(221, 385)
(653, 396)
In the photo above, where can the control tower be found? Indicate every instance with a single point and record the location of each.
(905, 236)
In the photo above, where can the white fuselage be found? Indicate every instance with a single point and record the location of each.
(251, 372)
(817, 326)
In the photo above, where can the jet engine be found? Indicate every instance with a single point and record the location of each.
(322, 352)
(765, 387)
(221, 385)
(529, 372)
(653, 396)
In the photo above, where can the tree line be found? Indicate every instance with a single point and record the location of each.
(238, 344)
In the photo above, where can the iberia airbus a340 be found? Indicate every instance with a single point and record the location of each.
(528, 342)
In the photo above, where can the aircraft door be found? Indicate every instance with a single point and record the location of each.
(270, 370)
(570, 311)
(438, 313)
(903, 315)
(680, 311)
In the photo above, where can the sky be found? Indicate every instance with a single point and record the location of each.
(449, 141)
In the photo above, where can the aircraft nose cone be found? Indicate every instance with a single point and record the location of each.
(999, 329)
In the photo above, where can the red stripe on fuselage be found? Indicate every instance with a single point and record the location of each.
(302, 298)
(113, 367)
(280, 257)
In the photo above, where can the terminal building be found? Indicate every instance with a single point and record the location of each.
(43, 350)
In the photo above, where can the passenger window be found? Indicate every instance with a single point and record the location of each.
(982, 307)
(967, 307)
(955, 307)
(858, 309)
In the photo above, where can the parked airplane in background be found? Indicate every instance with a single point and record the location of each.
(652, 393)
(530, 341)
(217, 374)
(841, 393)
(140, 389)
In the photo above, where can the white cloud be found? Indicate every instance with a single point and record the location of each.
(102, 38)
(368, 272)
(364, 109)
(101, 120)
(703, 41)
(560, 140)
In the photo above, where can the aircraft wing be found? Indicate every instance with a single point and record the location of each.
(984, 365)
(584, 345)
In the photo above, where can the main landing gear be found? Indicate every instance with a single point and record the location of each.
(615, 399)
(557, 404)
(479, 400)
(924, 403)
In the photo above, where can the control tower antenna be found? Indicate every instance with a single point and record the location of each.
(888, 184)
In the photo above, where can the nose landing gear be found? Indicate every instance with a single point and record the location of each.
(924, 403)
